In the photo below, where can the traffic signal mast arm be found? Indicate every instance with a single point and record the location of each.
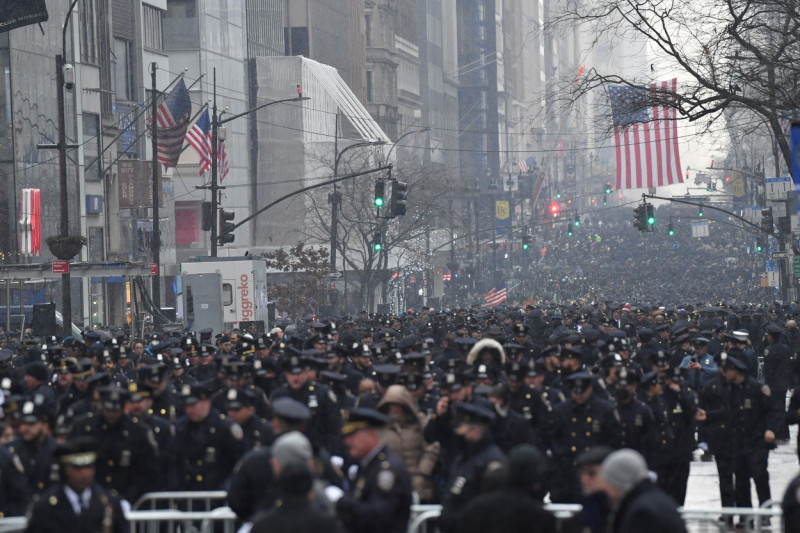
(734, 215)
(302, 190)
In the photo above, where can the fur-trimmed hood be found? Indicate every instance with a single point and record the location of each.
(484, 344)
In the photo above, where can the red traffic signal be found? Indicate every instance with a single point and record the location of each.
(555, 207)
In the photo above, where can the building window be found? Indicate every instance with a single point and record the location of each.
(92, 165)
(151, 28)
(123, 73)
(368, 29)
(88, 15)
(369, 86)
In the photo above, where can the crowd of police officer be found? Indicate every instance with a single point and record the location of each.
(463, 389)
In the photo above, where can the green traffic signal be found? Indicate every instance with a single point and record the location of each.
(377, 246)
(380, 193)
(670, 230)
(577, 221)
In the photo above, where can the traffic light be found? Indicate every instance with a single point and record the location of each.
(569, 230)
(651, 216)
(377, 241)
(577, 221)
(399, 198)
(226, 227)
(558, 195)
(555, 207)
(380, 194)
(639, 215)
(760, 244)
(670, 230)
(700, 211)
(526, 242)
(608, 187)
(605, 199)
(208, 216)
(766, 220)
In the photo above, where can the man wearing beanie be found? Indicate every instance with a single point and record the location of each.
(637, 503)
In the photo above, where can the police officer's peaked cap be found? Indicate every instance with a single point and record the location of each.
(774, 329)
(193, 393)
(290, 409)
(730, 360)
(112, 397)
(473, 413)
(579, 380)
(77, 452)
(363, 418)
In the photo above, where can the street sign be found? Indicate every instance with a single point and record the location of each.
(153, 269)
(60, 266)
(780, 255)
(334, 275)
(776, 188)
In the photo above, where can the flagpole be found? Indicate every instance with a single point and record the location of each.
(155, 241)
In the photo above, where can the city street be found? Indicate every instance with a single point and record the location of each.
(703, 491)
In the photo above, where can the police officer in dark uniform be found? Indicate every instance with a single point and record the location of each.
(240, 407)
(252, 486)
(206, 445)
(380, 497)
(578, 424)
(681, 402)
(326, 419)
(778, 373)
(78, 503)
(479, 457)
(35, 446)
(155, 376)
(126, 450)
(139, 406)
(791, 506)
(635, 418)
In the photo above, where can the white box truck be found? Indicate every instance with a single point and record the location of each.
(223, 293)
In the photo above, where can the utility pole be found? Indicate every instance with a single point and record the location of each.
(155, 240)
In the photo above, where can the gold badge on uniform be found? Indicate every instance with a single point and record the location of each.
(125, 458)
(211, 455)
(312, 401)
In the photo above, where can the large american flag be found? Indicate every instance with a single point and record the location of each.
(525, 166)
(199, 136)
(645, 136)
(497, 295)
(172, 119)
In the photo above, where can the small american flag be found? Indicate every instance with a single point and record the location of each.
(172, 120)
(497, 295)
(525, 166)
(199, 136)
(645, 136)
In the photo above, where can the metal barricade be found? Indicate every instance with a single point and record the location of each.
(13, 524)
(422, 514)
(221, 520)
(205, 500)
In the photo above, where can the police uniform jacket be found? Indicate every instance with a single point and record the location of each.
(324, 428)
(663, 439)
(14, 492)
(257, 433)
(127, 454)
(205, 452)
(252, 488)
(52, 511)
(753, 411)
(380, 498)
(577, 427)
(647, 508)
(791, 506)
(41, 469)
(713, 400)
(466, 478)
(778, 367)
(163, 432)
(636, 427)
(681, 410)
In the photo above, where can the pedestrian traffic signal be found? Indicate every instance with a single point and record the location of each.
(380, 193)
(399, 198)
(377, 241)
(226, 227)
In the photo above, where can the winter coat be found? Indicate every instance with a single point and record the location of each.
(404, 437)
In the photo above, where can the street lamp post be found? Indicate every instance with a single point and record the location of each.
(216, 122)
(62, 146)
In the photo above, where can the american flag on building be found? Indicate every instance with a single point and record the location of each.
(497, 295)
(172, 120)
(645, 136)
(525, 166)
(199, 136)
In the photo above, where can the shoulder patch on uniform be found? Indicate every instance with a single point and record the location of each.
(765, 390)
(386, 480)
(236, 431)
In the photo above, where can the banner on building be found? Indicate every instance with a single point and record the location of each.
(30, 222)
(136, 184)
